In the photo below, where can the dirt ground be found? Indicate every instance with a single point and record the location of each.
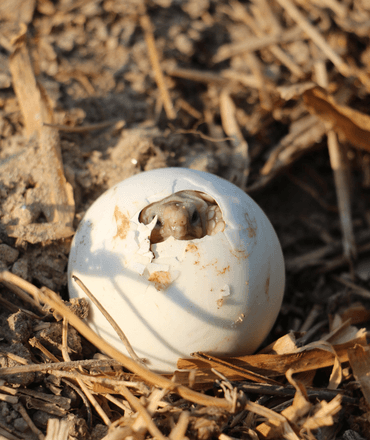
(272, 95)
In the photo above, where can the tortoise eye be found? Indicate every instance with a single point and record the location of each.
(195, 217)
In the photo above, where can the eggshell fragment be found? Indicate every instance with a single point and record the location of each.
(219, 294)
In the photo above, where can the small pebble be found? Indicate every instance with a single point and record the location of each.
(20, 424)
(7, 254)
(20, 268)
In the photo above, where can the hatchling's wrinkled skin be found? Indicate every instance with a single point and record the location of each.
(184, 215)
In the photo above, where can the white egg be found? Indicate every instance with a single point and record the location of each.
(218, 294)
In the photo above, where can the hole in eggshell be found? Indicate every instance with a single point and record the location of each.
(184, 215)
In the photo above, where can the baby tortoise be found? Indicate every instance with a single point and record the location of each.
(184, 215)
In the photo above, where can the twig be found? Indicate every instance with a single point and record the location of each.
(184, 105)
(154, 60)
(255, 43)
(215, 130)
(58, 203)
(274, 418)
(105, 381)
(257, 68)
(82, 129)
(248, 374)
(64, 341)
(358, 290)
(289, 149)
(311, 317)
(151, 407)
(241, 14)
(341, 173)
(25, 297)
(120, 403)
(136, 404)
(111, 321)
(13, 308)
(20, 408)
(197, 75)
(342, 260)
(246, 80)
(289, 143)
(80, 382)
(339, 167)
(83, 398)
(58, 429)
(15, 357)
(315, 257)
(202, 135)
(8, 399)
(34, 342)
(318, 229)
(93, 401)
(239, 165)
(56, 303)
(303, 340)
(179, 430)
(6, 433)
(57, 366)
(315, 36)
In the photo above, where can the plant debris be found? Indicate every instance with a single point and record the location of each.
(272, 95)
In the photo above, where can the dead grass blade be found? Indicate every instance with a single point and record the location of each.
(29, 97)
(85, 128)
(308, 358)
(144, 420)
(359, 359)
(58, 365)
(288, 149)
(255, 43)
(302, 415)
(303, 136)
(361, 291)
(111, 321)
(56, 303)
(276, 426)
(239, 13)
(293, 413)
(341, 173)
(55, 194)
(57, 429)
(156, 65)
(179, 430)
(324, 415)
(22, 410)
(234, 369)
(239, 164)
(348, 122)
(94, 403)
(315, 36)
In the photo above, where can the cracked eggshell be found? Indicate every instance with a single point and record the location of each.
(219, 294)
